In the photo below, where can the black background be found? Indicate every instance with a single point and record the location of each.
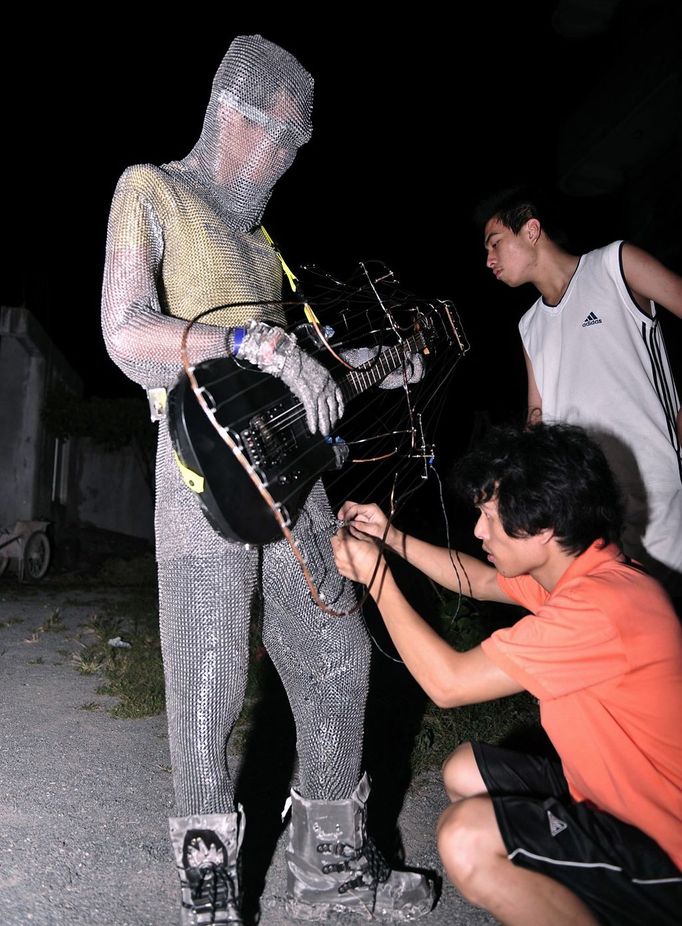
(417, 116)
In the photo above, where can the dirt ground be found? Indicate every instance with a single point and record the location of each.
(85, 797)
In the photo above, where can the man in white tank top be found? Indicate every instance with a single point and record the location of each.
(595, 357)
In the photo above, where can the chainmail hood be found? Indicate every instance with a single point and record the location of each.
(258, 116)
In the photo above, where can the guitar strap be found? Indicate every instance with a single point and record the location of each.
(288, 272)
(291, 277)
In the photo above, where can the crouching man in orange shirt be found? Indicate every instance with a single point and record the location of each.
(596, 836)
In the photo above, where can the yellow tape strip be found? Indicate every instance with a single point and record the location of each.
(289, 273)
(192, 480)
(310, 315)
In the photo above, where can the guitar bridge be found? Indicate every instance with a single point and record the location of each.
(261, 439)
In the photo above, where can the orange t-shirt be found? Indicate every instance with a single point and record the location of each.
(603, 654)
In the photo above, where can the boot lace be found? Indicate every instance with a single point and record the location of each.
(373, 872)
(213, 889)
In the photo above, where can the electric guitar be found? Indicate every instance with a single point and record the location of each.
(267, 423)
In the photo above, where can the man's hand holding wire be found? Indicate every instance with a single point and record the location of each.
(357, 545)
(363, 520)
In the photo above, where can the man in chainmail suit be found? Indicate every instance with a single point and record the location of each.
(182, 238)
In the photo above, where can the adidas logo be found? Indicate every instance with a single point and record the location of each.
(591, 320)
(556, 825)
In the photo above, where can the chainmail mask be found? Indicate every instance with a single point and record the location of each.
(181, 239)
(258, 116)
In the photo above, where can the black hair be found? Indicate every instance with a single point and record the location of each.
(545, 476)
(514, 206)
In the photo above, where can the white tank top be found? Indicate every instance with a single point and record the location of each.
(600, 362)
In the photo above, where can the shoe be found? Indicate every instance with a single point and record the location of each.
(206, 848)
(334, 867)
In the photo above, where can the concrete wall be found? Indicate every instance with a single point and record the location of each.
(112, 491)
(21, 389)
(29, 365)
(67, 482)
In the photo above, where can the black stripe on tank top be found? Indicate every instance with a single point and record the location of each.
(662, 387)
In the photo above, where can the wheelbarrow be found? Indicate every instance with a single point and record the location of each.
(27, 546)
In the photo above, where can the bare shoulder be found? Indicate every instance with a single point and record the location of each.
(650, 279)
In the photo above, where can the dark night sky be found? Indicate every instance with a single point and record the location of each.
(415, 118)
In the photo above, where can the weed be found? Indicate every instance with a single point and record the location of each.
(140, 571)
(464, 624)
(88, 662)
(51, 624)
(10, 621)
(54, 623)
(133, 675)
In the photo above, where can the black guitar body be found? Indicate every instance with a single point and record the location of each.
(267, 422)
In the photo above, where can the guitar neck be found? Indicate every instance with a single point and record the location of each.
(374, 371)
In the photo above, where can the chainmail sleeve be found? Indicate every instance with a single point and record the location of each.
(142, 340)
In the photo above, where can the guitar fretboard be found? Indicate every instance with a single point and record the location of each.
(374, 371)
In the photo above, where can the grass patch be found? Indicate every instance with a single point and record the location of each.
(110, 572)
(464, 623)
(52, 624)
(91, 706)
(134, 674)
(137, 572)
(491, 722)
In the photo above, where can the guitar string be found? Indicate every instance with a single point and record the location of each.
(281, 424)
(394, 432)
(283, 421)
(316, 595)
(298, 413)
(295, 413)
(199, 393)
(460, 593)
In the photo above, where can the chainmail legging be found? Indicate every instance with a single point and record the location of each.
(323, 661)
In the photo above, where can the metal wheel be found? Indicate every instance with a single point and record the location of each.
(37, 555)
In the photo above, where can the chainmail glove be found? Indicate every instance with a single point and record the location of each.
(414, 366)
(274, 351)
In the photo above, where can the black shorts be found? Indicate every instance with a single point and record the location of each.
(620, 873)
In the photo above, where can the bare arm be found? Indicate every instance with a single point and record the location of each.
(649, 279)
(438, 563)
(534, 397)
(448, 677)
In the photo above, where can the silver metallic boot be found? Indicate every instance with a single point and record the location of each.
(334, 867)
(206, 848)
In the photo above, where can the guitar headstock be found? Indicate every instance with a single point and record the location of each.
(439, 324)
(372, 307)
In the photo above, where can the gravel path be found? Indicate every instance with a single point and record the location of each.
(85, 797)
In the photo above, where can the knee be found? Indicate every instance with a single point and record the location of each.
(464, 844)
(461, 777)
